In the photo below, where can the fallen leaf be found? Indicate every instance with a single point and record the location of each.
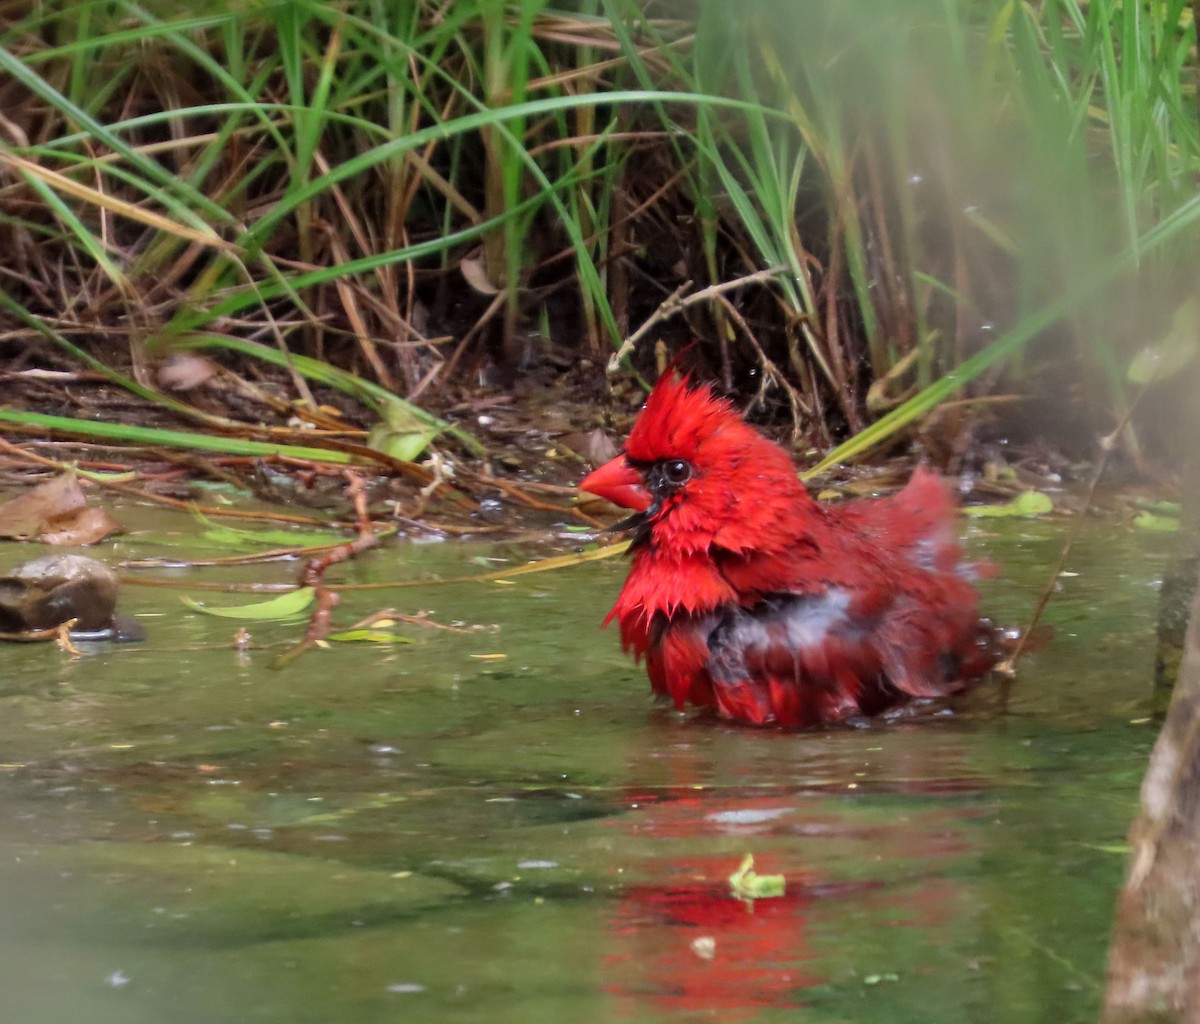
(221, 533)
(375, 636)
(747, 884)
(88, 525)
(400, 434)
(25, 516)
(183, 371)
(595, 446)
(1030, 503)
(56, 512)
(476, 276)
(281, 607)
(1156, 524)
(402, 445)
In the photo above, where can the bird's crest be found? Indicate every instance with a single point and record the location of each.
(677, 417)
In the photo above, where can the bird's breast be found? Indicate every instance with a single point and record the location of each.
(672, 584)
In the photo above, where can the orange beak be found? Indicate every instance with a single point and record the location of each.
(617, 481)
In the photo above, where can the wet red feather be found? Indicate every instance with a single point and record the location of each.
(747, 596)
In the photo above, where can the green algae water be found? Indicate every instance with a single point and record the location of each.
(499, 825)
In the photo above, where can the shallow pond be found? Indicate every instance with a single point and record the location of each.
(430, 832)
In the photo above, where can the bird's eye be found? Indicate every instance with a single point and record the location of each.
(677, 472)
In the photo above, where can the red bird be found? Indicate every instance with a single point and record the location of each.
(747, 596)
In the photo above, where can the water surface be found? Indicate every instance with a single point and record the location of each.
(430, 832)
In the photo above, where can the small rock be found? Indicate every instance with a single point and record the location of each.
(48, 591)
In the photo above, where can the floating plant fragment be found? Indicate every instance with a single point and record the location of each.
(220, 533)
(375, 636)
(747, 884)
(1156, 523)
(282, 607)
(1030, 503)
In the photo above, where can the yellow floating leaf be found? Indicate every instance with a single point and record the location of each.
(746, 884)
(563, 561)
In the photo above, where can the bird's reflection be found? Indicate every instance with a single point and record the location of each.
(681, 943)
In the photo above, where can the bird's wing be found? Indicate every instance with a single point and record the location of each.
(796, 660)
(801, 660)
(915, 524)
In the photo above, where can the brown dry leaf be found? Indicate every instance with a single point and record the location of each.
(26, 516)
(419, 320)
(595, 446)
(184, 371)
(476, 276)
(56, 512)
(88, 525)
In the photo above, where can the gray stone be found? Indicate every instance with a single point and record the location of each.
(48, 591)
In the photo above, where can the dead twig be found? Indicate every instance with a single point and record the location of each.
(676, 302)
(61, 633)
(318, 628)
(313, 574)
(1007, 668)
(771, 372)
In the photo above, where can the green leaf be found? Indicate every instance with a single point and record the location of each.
(168, 438)
(1156, 524)
(375, 636)
(270, 538)
(282, 607)
(219, 533)
(301, 540)
(126, 477)
(399, 444)
(1157, 506)
(402, 434)
(1031, 503)
(1121, 849)
(746, 884)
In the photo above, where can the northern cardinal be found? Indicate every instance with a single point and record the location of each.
(748, 596)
